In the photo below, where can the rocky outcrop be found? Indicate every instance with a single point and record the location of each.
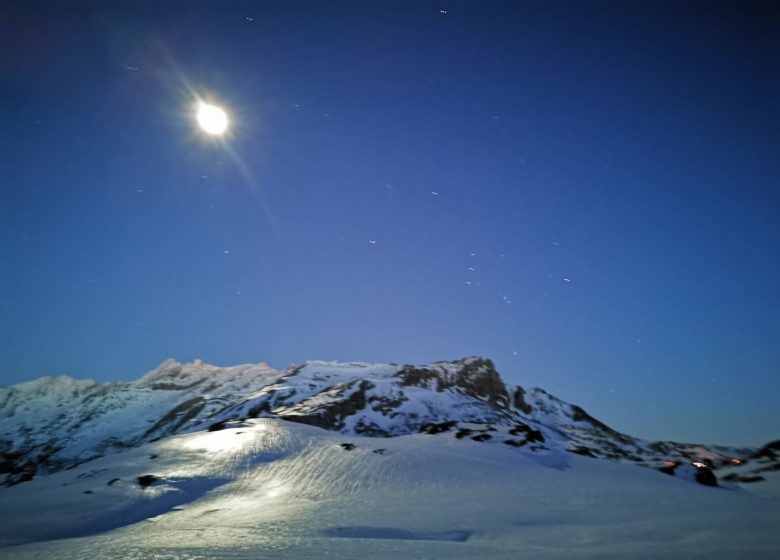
(475, 377)
(332, 415)
(697, 472)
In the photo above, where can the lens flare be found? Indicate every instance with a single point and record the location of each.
(212, 119)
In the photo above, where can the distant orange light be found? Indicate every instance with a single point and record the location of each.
(736, 461)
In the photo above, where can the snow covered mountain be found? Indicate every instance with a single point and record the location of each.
(355, 461)
(57, 423)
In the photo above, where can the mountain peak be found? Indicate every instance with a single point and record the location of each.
(174, 375)
(53, 423)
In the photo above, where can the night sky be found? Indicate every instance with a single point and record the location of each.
(585, 192)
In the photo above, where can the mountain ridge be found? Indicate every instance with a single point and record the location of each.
(56, 423)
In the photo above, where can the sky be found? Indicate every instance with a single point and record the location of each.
(584, 192)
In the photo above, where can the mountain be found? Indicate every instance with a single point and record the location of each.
(355, 461)
(57, 423)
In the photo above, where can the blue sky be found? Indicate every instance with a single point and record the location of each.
(607, 169)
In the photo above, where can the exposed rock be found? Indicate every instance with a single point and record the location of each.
(420, 377)
(147, 480)
(437, 428)
(579, 415)
(698, 472)
(745, 478)
(217, 426)
(177, 417)
(476, 377)
(331, 415)
(175, 386)
(769, 451)
(581, 450)
(519, 401)
(530, 434)
(705, 476)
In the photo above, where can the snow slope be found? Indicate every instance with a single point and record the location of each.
(266, 488)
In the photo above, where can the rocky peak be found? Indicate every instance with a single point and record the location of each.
(474, 376)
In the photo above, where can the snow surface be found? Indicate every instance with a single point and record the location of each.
(266, 488)
(87, 419)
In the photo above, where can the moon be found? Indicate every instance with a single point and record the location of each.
(212, 119)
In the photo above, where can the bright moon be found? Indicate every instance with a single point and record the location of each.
(212, 119)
